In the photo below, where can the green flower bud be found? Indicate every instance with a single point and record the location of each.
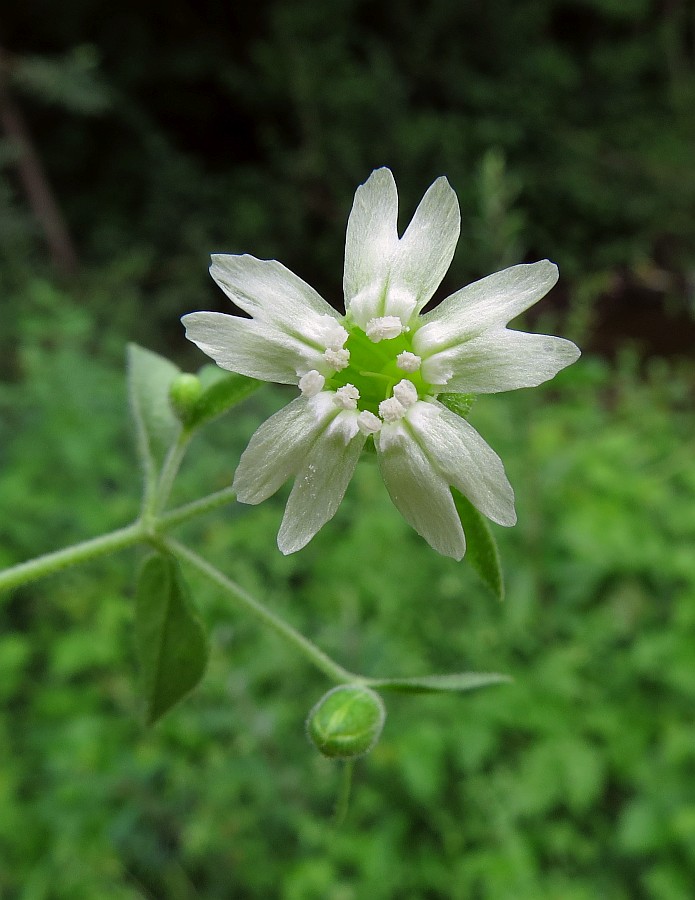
(346, 722)
(184, 392)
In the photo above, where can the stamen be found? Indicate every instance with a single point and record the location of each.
(408, 362)
(337, 359)
(406, 393)
(312, 383)
(383, 328)
(346, 397)
(332, 333)
(368, 423)
(391, 410)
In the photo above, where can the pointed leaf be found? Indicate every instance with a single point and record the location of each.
(460, 404)
(429, 684)
(171, 641)
(218, 396)
(481, 547)
(149, 379)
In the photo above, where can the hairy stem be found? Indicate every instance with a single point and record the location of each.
(316, 656)
(70, 556)
(197, 508)
(170, 469)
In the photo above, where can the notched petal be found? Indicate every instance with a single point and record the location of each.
(427, 247)
(464, 459)
(321, 482)
(250, 348)
(279, 447)
(268, 291)
(489, 303)
(500, 360)
(371, 236)
(419, 492)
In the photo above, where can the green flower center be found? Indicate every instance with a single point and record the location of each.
(374, 370)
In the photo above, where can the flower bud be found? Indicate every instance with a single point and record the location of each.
(346, 722)
(184, 392)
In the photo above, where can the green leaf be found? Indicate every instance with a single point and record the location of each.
(481, 547)
(461, 404)
(430, 684)
(149, 379)
(171, 641)
(218, 396)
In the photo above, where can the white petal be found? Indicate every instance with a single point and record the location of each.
(419, 491)
(251, 348)
(463, 459)
(371, 236)
(320, 484)
(425, 251)
(487, 303)
(268, 291)
(279, 447)
(500, 360)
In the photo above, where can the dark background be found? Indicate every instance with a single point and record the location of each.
(136, 138)
(167, 130)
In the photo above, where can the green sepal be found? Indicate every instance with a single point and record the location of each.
(219, 394)
(481, 547)
(172, 645)
(431, 684)
(149, 379)
(461, 404)
(184, 393)
(346, 722)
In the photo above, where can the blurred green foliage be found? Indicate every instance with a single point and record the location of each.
(573, 782)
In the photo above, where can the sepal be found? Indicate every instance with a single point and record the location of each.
(481, 547)
(184, 393)
(346, 722)
(461, 404)
(220, 391)
(456, 682)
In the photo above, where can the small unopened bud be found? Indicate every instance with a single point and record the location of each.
(184, 393)
(346, 722)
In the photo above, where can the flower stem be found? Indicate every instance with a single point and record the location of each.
(343, 801)
(170, 469)
(320, 659)
(70, 556)
(191, 510)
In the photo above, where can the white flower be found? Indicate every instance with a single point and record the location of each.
(350, 369)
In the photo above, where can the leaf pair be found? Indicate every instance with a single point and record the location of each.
(171, 641)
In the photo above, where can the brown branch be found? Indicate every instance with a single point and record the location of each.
(36, 186)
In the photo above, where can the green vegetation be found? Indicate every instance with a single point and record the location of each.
(574, 781)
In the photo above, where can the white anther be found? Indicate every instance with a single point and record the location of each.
(391, 410)
(384, 328)
(400, 302)
(332, 333)
(405, 392)
(346, 397)
(337, 359)
(408, 362)
(312, 383)
(368, 423)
